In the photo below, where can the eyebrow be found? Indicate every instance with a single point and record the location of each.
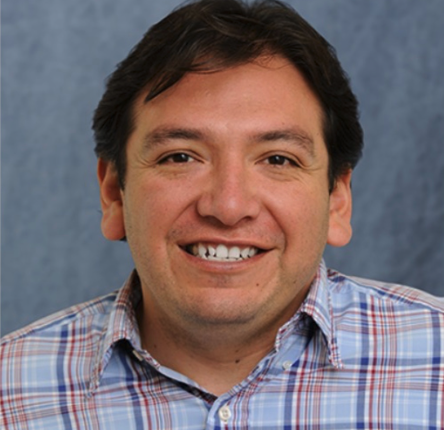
(296, 136)
(159, 136)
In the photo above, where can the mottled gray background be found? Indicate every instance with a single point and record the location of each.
(55, 56)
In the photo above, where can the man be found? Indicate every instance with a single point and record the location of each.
(226, 142)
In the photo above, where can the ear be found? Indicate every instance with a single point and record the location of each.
(113, 226)
(339, 225)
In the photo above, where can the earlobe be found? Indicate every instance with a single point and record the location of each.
(113, 226)
(339, 228)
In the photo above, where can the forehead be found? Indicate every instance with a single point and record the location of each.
(266, 95)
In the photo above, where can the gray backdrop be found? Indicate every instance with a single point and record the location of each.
(55, 56)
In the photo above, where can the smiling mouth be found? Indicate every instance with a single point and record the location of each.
(221, 252)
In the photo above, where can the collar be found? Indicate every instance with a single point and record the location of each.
(122, 322)
(120, 325)
(318, 306)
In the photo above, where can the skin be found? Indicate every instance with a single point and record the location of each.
(235, 157)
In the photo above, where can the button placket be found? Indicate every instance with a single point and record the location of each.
(225, 413)
(286, 365)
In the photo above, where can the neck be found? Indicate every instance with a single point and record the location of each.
(216, 357)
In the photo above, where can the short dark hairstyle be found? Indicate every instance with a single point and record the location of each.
(211, 35)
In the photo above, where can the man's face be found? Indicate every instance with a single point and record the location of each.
(226, 206)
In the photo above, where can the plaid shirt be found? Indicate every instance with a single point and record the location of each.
(357, 355)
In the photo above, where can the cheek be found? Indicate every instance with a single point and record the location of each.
(151, 211)
(303, 219)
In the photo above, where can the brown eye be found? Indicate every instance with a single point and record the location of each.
(179, 157)
(280, 160)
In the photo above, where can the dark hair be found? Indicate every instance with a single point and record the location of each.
(210, 35)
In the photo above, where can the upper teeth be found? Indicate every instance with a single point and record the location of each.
(222, 252)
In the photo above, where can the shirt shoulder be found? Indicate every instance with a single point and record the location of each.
(378, 322)
(395, 296)
(90, 315)
(48, 367)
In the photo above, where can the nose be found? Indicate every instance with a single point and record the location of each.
(229, 195)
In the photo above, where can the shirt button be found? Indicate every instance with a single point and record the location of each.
(287, 365)
(224, 413)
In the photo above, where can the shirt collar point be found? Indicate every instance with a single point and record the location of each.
(122, 325)
(318, 305)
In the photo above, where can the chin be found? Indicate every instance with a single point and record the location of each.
(221, 315)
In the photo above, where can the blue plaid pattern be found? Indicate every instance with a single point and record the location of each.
(359, 354)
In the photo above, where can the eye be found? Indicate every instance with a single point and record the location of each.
(177, 158)
(280, 160)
